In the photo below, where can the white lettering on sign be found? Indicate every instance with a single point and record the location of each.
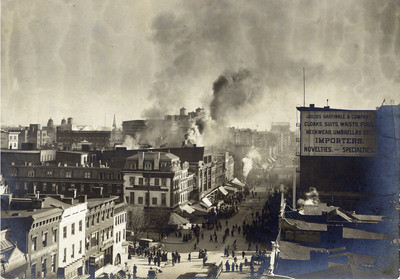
(338, 133)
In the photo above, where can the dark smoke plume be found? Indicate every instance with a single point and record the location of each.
(234, 94)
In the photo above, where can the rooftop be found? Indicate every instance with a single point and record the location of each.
(152, 155)
(98, 201)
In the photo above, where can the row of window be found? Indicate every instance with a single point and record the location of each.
(149, 165)
(72, 252)
(94, 239)
(140, 200)
(120, 236)
(147, 181)
(61, 138)
(44, 267)
(120, 219)
(68, 174)
(65, 229)
(63, 187)
(95, 218)
(45, 222)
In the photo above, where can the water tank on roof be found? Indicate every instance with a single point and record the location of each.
(183, 111)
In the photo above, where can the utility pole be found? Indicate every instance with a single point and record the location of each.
(304, 87)
(148, 204)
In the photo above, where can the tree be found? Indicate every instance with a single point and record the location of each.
(160, 222)
(136, 221)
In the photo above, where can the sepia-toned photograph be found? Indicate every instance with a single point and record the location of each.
(200, 139)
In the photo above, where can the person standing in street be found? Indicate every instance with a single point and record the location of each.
(134, 271)
(189, 257)
(227, 266)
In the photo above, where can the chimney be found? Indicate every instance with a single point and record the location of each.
(157, 161)
(141, 160)
(312, 105)
(83, 198)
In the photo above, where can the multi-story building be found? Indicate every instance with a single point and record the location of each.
(210, 171)
(169, 131)
(13, 260)
(120, 251)
(9, 140)
(35, 234)
(157, 181)
(344, 155)
(28, 178)
(36, 135)
(72, 140)
(11, 158)
(99, 242)
(22, 134)
(71, 235)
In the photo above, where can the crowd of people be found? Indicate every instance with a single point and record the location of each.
(258, 230)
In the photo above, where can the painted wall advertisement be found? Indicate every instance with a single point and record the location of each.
(338, 133)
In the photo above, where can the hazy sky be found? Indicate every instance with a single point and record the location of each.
(88, 59)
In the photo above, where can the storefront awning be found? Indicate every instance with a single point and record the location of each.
(222, 190)
(207, 202)
(229, 188)
(237, 182)
(187, 208)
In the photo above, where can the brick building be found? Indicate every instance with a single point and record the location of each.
(25, 179)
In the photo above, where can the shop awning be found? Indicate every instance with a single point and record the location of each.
(199, 210)
(222, 190)
(229, 188)
(187, 208)
(237, 182)
(175, 219)
(206, 201)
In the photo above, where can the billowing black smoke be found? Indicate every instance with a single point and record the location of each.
(234, 94)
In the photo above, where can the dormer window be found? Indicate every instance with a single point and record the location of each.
(148, 166)
(133, 166)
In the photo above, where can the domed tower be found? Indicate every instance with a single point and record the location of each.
(50, 123)
(51, 131)
(63, 121)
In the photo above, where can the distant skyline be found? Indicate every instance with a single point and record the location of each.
(88, 59)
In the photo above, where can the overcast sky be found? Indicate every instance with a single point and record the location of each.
(88, 59)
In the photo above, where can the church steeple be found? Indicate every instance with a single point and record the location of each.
(114, 123)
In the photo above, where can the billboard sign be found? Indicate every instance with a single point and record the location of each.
(338, 133)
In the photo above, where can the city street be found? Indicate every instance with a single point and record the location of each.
(215, 250)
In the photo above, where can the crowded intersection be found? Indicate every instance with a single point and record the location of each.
(229, 245)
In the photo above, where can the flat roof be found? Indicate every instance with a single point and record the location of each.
(328, 109)
(97, 201)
